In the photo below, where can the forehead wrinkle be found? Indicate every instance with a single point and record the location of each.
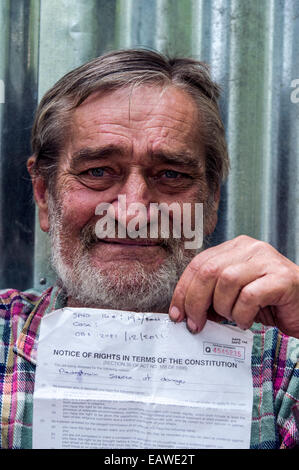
(138, 86)
(156, 104)
(134, 112)
(168, 120)
(172, 124)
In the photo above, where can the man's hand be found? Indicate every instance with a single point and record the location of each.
(243, 280)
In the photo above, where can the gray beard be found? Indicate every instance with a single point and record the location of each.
(137, 290)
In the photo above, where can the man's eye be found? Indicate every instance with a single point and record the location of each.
(96, 172)
(171, 174)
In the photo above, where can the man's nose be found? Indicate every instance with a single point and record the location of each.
(134, 197)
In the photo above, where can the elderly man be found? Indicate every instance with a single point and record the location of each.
(136, 124)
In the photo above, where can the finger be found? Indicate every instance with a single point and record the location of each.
(266, 316)
(177, 306)
(253, 300)
(200, 292)
(211, 315)
(199, 295)
(231, 281)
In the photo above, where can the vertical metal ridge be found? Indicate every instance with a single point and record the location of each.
(245, 118)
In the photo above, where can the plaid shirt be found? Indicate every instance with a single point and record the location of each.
(275, 372)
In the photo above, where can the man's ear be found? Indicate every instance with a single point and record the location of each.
(41, 194)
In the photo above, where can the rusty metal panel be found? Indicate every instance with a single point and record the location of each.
(253, 50)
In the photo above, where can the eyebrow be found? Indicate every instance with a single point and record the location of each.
(179, 158)
(94, 154)
(185, 158)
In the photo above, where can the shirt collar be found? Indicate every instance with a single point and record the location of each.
(26, 345)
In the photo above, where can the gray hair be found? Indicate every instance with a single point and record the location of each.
(120, 69)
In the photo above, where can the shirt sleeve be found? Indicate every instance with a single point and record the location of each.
(286, 391)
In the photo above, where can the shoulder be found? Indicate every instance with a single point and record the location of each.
(271, 343)
(275, 360)
(275, 367)
(276, 351)
(14, 302)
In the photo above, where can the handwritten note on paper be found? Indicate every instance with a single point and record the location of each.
(111, 379)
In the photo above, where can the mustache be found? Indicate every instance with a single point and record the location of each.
(89, 238)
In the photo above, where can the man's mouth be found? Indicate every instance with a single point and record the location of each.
(130, 241)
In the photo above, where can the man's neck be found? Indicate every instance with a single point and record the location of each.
(74, 303)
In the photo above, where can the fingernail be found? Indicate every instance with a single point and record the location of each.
(192, 327)
(174, 313)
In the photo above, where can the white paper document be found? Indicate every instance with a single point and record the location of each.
(112, 379)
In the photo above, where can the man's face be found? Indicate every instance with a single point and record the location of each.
(141, 143)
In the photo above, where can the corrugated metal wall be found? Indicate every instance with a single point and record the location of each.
(253, 49)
